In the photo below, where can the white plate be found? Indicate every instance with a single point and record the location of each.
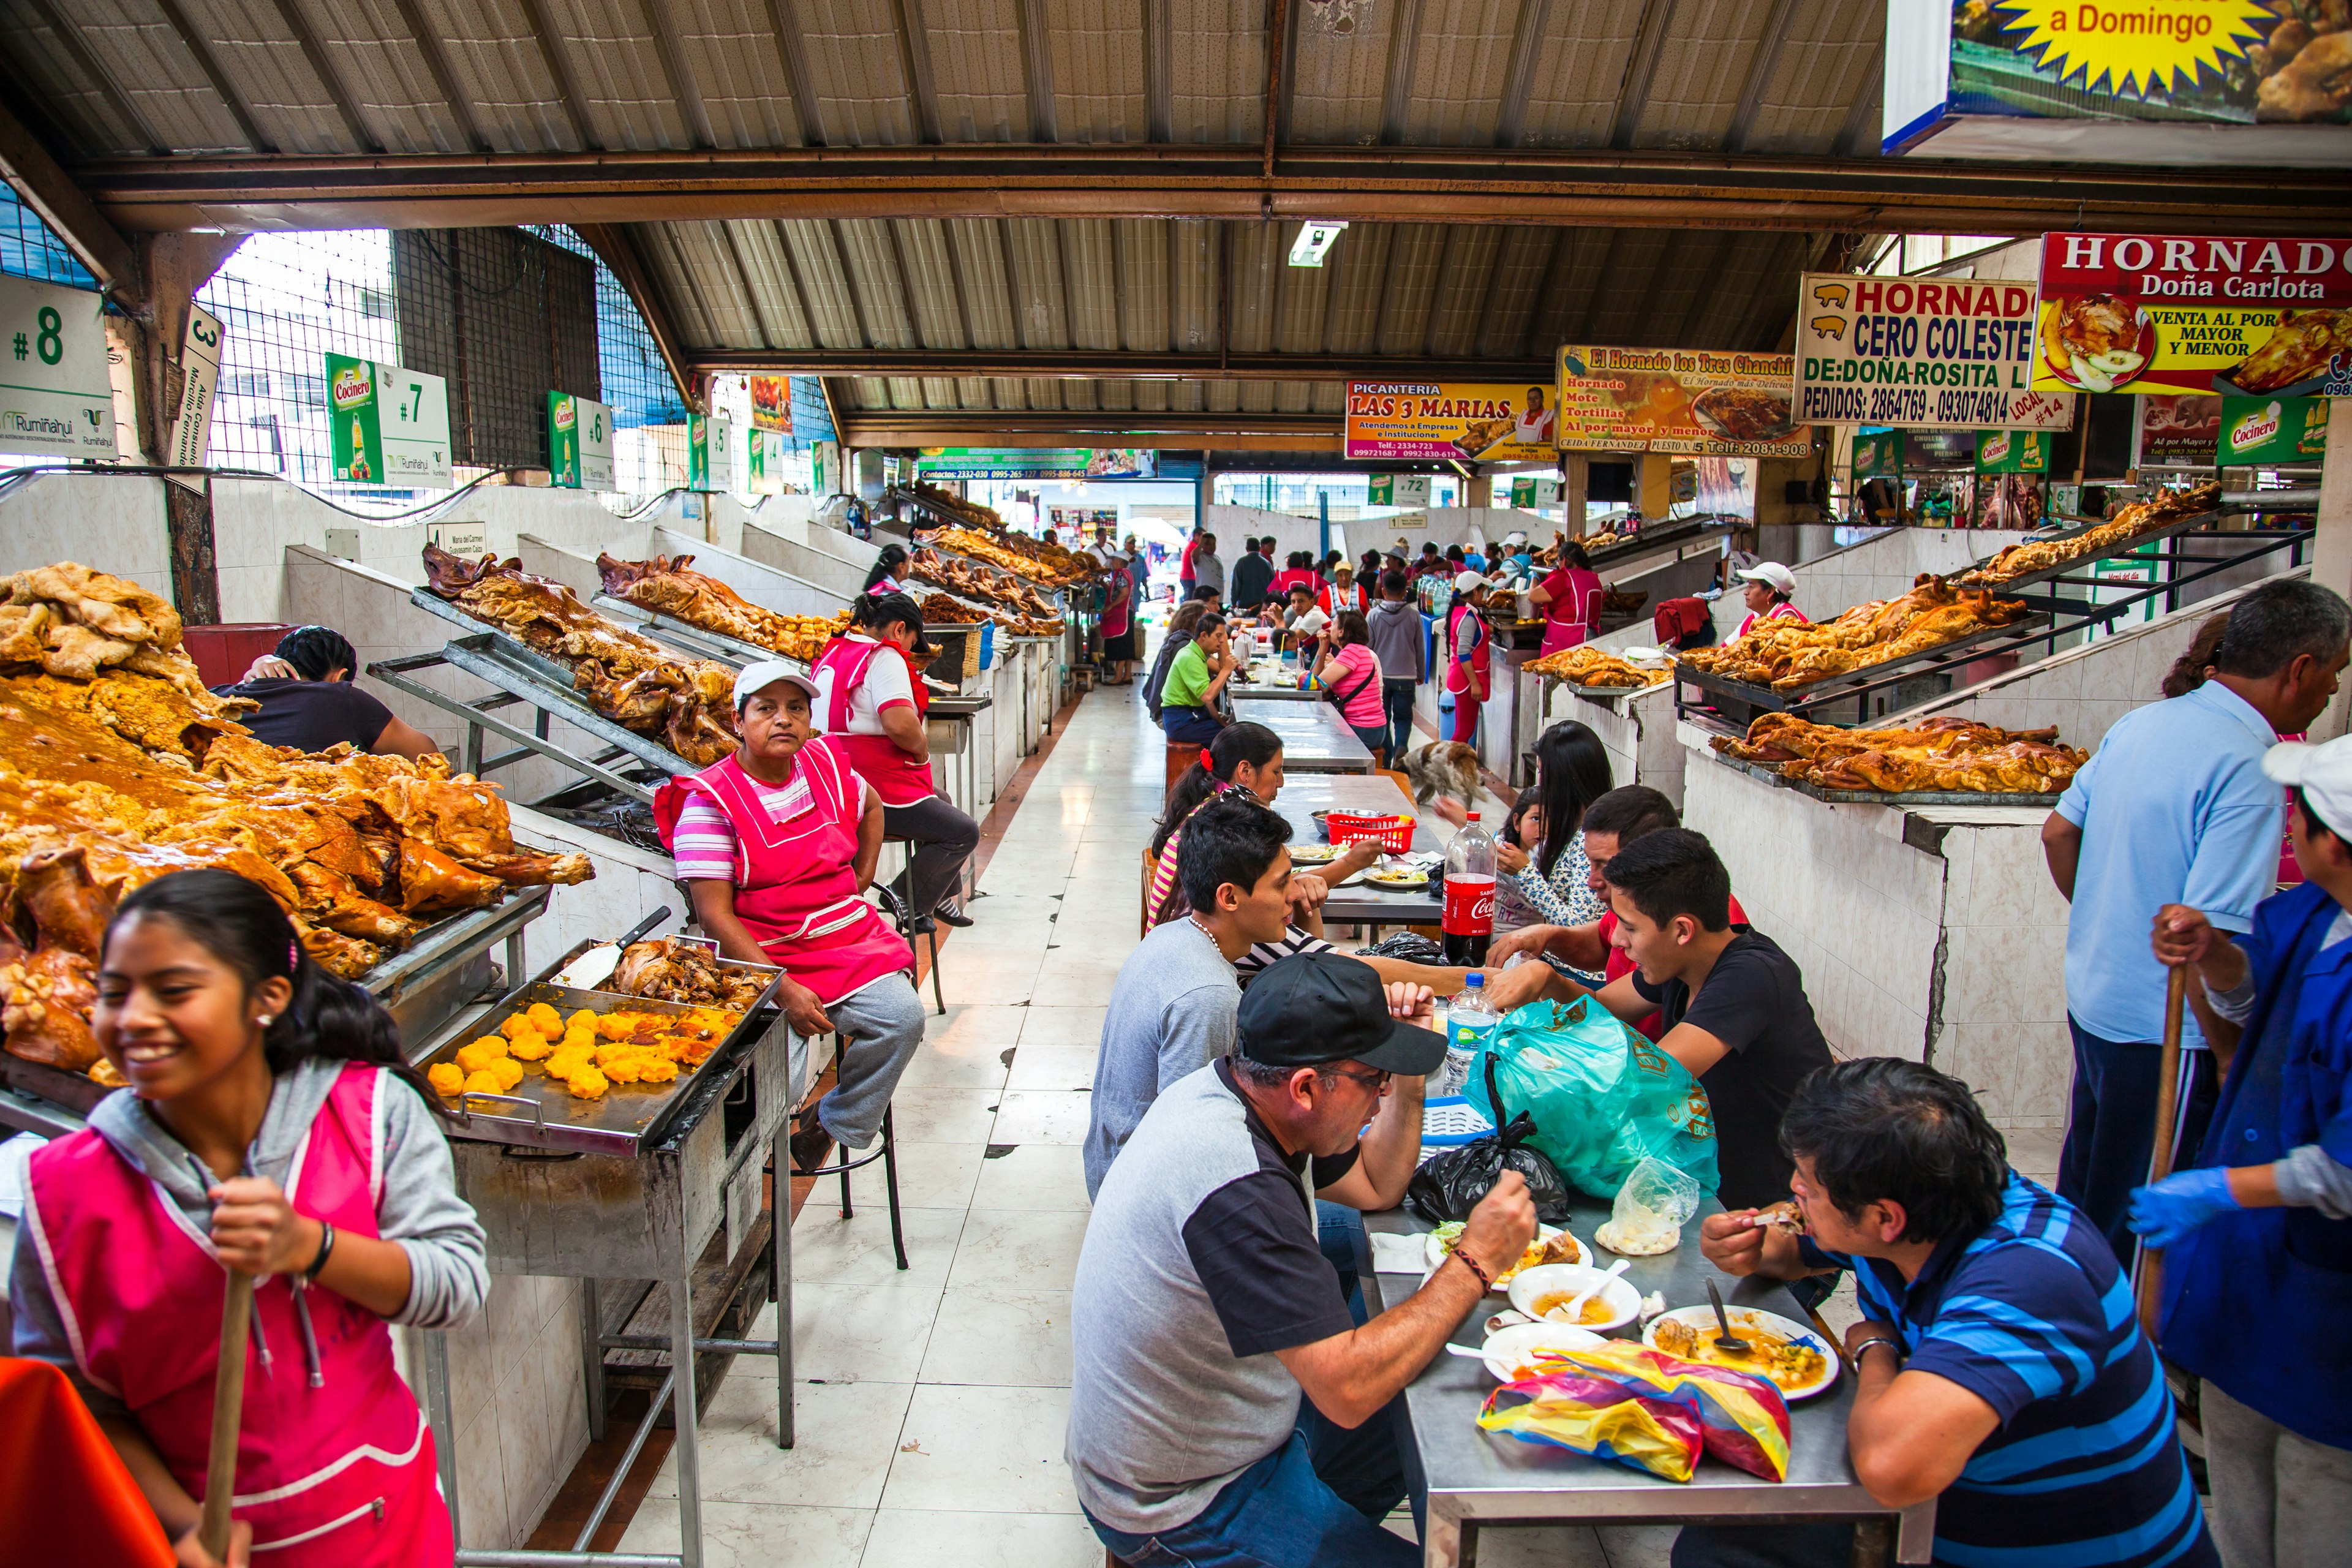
(1625, 1302)
(1742, 1318)
(1506, 1348)
(1434, 1251)
(1315, 854)
(1399, 885)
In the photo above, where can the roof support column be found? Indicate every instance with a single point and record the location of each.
(174, 265)
(2331, 563)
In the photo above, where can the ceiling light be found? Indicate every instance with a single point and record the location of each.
(1315, 240)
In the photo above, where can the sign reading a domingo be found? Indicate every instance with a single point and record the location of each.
(1918, 352)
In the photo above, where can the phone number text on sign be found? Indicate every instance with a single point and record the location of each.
(1951, 352)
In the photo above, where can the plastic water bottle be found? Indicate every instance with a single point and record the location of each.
(1469, 1024)
(1467, 920)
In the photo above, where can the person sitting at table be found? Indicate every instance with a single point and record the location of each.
(309, 703)
(1204, 1306)
(871, 695)
(1342, 593)
(1619, 817)
(776, 846)
(1346, 667)
(2001, 1370)
(1196, 678)
(1181, 626)
(1555, 874)
(1734, 1010)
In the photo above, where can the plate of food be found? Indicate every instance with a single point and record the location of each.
(1551, 1245)
(1743, 413)
(1549, 1288)
(1315, 854)
(1788, 1355)
(2097, 342)
(1511, 1353)
(1399, 879)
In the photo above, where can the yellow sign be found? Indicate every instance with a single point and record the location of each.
(2135, 47)
(1690, 401)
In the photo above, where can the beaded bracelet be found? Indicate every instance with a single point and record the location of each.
(1486, 1280)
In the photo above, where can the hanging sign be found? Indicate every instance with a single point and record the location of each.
(2259, 317)
(824, 467)
(1399, 490)
(1689, 401)
(2260, 432)
(771, 403)
(1878, 455)
(1035, 463)
(2177, 430)
(1920, 351)
(1427, 421)
(55, 395)
(390, 424)
(192, 431)
(2013, 452)
(579, 443)
(709, 451)
(765, 450)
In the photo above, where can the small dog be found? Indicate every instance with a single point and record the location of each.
(1444, 767)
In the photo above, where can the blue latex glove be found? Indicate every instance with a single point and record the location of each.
(2166, 1213)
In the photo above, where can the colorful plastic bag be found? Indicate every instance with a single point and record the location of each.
(1603, 1098)
(1631, 1404)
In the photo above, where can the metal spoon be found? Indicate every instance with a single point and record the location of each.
(1573, 1310)
(1727, 1342)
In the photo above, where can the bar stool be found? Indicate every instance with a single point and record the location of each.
(896, 907)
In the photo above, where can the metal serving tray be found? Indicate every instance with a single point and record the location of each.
(626, 1119)
(423, 987)
(1778, 780)
(1648, 539)
(2122, 547)
(546, 685)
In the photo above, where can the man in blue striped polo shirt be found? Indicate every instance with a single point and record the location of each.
(2001, 1367)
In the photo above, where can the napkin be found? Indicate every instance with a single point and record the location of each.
(1399, 1253)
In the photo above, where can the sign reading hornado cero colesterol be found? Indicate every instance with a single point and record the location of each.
(1948, 351)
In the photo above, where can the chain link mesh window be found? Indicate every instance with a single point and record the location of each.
(504, 316)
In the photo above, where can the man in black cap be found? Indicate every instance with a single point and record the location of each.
(1204, 1306)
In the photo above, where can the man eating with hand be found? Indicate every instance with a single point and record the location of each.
(1204, 1306)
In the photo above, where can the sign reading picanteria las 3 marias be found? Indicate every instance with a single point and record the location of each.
(2129, 312)
(1920, 351)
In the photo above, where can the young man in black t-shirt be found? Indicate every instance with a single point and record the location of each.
(1733, 1004)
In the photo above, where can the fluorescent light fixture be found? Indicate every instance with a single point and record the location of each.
(1314, 242)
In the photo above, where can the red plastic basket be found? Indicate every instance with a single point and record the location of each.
(1393, 833)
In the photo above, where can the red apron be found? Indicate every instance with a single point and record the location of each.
(1575, 607)
(796, 881)
(895, 777)
(332, 1472)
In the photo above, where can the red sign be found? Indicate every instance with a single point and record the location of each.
(2217, 271)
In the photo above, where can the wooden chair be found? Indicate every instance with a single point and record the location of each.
(1181, 754)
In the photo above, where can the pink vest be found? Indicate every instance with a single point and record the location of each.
(1575, 607)
(895, 777)
(340, 1473)
(1455, 680)
(796, 881)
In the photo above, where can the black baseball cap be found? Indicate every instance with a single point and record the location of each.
(1316, 1007)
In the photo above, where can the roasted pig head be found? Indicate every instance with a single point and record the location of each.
(68, 905)
(45, 1004)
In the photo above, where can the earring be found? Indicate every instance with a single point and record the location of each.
(265, 1020)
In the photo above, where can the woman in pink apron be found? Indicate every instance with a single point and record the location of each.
(1467, 656)
(871, 698)
(271, 1127)
(1571, 599)
(777, 846)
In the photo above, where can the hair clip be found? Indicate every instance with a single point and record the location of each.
(293, 956)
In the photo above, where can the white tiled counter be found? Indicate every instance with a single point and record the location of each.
(1932, 933)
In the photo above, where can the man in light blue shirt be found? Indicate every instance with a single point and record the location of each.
(2174, 809)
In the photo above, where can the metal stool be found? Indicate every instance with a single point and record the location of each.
(896, 907)
(887, 1153)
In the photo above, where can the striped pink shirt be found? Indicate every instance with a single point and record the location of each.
(704, 844)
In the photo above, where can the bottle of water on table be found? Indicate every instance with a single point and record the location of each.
(1469, 1024)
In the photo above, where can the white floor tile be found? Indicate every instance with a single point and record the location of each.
(1017, 1339)
(987, 1451)
(1048, 1024)
(846, 1334)
(903, 1537)
(1019, 1248)
(921, 1115)
(830, 1250)
(1037, 1116)
(751, 1535)
(845, 1438)
(1033, 1176)
(930, 1175)
(1064, 1067)
(1639, 1545)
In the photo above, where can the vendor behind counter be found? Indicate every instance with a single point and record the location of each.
(309, 703)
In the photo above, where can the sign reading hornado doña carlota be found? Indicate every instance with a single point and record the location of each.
(1948, 351)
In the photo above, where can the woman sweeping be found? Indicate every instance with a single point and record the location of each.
(271, 1127)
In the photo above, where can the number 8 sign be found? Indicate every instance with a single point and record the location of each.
(55, 395)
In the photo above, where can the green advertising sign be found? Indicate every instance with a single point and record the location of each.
(765, 469)
(709, 450)
(2260, 431)
(390, 425)
(1878, 456)
(579, 443)
(2013, 452)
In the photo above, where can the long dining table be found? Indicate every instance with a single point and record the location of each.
(1315, 737)
(1360, 902)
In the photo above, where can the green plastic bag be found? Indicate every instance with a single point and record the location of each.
(1603, 1098)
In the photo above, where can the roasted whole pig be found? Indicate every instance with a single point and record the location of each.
(110, 782)
(673, 971)
(1940, 753)
(2303, 343)
(970, 580)
(1786, 655)
(2039, 554)
(1592, 666)
(1031, 559)
(663, 585)
(633, 680)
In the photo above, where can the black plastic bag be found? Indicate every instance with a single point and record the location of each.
(1449, 1185)
(1408, 947)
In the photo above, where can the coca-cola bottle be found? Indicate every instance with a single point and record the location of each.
(1468, 920)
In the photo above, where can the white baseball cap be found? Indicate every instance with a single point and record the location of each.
(2324, 773)
(766, 673)
(1464, 581)
(1780, 579)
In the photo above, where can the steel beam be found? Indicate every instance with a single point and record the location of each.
(1589, 187)
(1110, 364)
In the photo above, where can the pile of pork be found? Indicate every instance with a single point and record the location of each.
(665, 586)
(670, 970)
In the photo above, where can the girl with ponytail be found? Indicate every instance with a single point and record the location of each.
(272, 1127)
(1244, 760)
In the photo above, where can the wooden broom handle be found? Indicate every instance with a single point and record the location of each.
(228, 1409)
(2159, 1160)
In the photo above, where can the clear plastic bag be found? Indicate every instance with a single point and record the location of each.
(1652, 1208)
